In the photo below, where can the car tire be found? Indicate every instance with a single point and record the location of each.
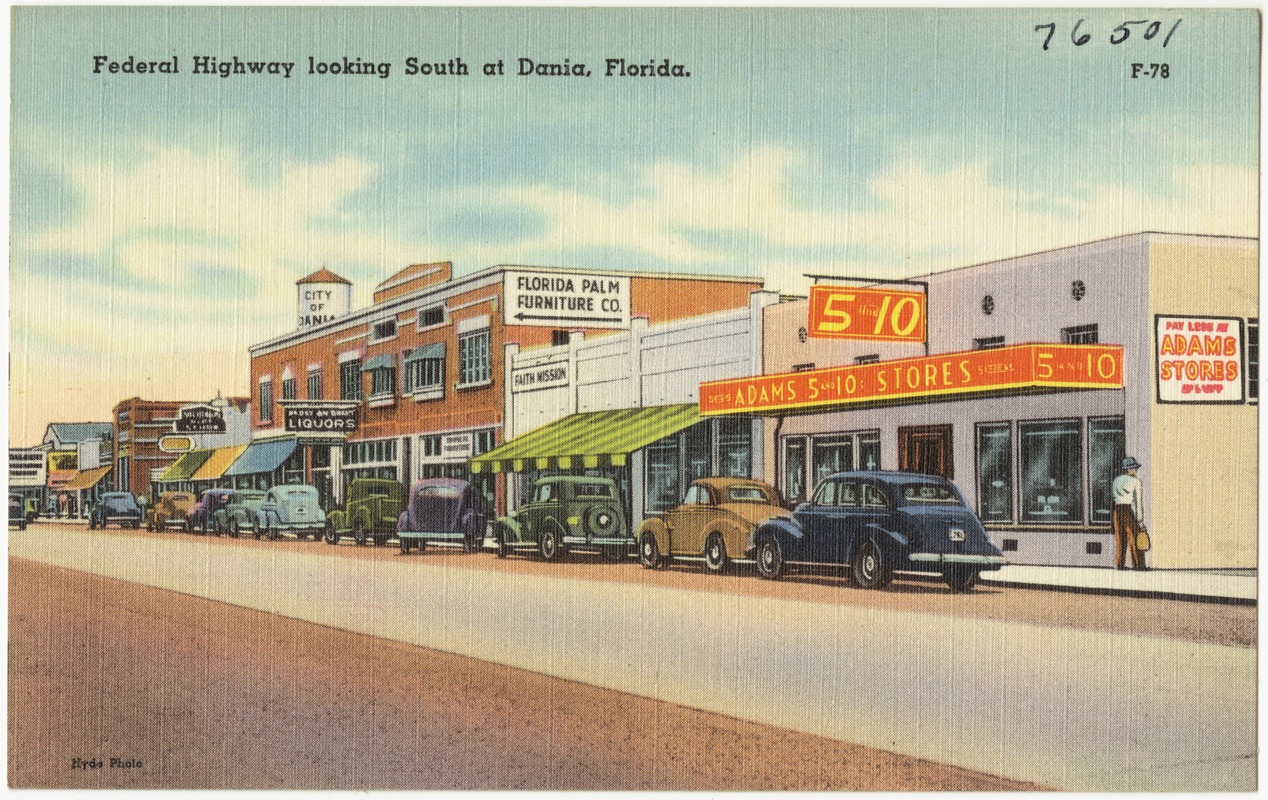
(770, 559)
(869, 569)
(649, 552)
(234, 530)
(550, 543)
(473, 538)
(962, 579)
(332, 535)
(405, 545)
(358, 532)
(715, 558)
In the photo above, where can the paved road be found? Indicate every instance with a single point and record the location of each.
(1067, 708)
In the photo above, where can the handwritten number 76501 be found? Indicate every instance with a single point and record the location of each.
(1120, 34)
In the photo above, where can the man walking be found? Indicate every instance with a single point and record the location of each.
(1129, 514)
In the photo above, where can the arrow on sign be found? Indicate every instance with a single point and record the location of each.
(523, 316)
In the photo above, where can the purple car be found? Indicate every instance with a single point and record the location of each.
(441, 511)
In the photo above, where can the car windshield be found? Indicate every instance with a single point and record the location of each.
(749, 494)
(941, 493)
(440, 491)
(118, 503)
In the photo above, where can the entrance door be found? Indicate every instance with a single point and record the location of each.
(927, 449)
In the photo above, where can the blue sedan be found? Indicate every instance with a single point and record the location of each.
(878, 523)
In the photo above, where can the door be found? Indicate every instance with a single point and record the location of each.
(926, 449)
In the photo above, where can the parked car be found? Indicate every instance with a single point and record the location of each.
(17, 511)
(203, 515)
(442, 510)
(370, 511)
(567, 512)
(714, 523)
(879, 523)
(295, 508)
(171, 508)
(120, 508)
(237, 512)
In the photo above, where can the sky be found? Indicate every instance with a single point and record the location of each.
(158, 222)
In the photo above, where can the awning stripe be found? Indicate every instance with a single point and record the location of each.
(221, 459)
(591, 439)
(186, 466)
(262, 456)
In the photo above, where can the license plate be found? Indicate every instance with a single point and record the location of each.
(957, 535)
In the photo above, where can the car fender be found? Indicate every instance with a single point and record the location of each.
(338, 520)
(402, 522)
(658, 529)
(513, 526)
(891, 543)
(784, 530)
(735, 535)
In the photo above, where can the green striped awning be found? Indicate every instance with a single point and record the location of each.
(592, 439)
(185, 466)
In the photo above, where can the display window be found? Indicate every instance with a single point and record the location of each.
(706, 449)
(809, 459)
(995, 472)
(1051, 474)
(1107, 447)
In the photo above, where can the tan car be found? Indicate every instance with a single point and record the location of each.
(715, 524)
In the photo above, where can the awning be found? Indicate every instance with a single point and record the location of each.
(221, 458)
(185, 466)
(87, 478)
(377, 362)
(435, 350)
(262, 456)
(592, 439)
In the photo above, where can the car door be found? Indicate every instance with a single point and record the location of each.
(821, 524)
(870, 515)
(686, 522)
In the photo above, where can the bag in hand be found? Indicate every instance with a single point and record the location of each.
(1142, 539)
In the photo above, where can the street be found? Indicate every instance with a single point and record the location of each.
(1028, 685)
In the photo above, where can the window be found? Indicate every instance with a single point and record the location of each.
(1080, 334)
(1107, 447)
(314, 383)
(383, 330)
(795, 469)
(870, 358)
(474, 366)
(995, 472)
(662, 474)
(288, 389)
(735, 448)
(266, 401)
(1051, 471)
(873, 497)
(383, 378)
(988, 342)
(558, 338)
(826, 494)
(869, 446)
(833, 455)
(350, 380)
(803, 367)
(425, 372)
(431, 317)
(1252, 359)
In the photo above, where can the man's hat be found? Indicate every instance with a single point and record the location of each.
(1130, 463)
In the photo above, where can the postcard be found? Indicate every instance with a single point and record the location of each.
(602, 399)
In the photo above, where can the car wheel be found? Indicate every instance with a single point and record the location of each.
(405, 545)
(358, 532)
(649, 552)
(332, 535)
(549, 543)
(473, 538)
(770, 559)
(962, 579)
(257, 528)
(499, 536)
(869, 568)
(233, 529)
(715, 559)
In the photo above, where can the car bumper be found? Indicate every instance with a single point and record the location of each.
(982, 562)
(445, 536)
(598, 541)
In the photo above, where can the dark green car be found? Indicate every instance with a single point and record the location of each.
(369, 512)
(567, 513)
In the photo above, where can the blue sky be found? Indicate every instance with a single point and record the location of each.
(158, 223)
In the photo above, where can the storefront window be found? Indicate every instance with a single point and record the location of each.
(795, 469)
(662, 475)
(735, 449)
(995, 472)
(697, 452)
(870, 450)
(833, 455)
(1107, 447)
(1051, 460)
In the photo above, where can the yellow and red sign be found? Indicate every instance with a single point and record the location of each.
(1023, 366)
(844, 312)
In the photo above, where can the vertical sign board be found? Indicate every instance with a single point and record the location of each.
(846, 312)
(1200, 359)
(566, 300)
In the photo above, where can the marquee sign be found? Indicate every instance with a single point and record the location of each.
(1025, 366)
(845, 312)
(1199, 359)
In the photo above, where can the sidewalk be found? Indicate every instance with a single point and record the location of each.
(1218, 586)
(1237, 586)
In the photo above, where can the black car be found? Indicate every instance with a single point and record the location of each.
(17, 511)
(879, 523)
(118, 507)
(441, 511)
